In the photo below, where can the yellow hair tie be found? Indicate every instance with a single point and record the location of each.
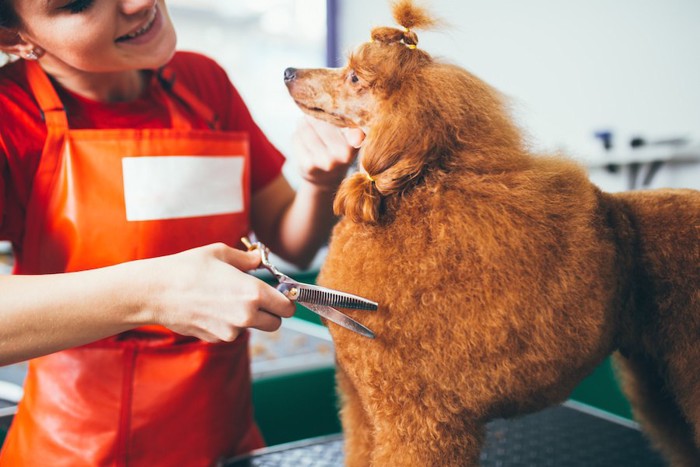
(410, 46)
(367, 175)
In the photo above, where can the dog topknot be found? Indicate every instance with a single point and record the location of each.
(410, 16)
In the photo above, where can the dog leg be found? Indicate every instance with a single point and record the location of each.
(423, 441)
(657, 412)
(685, 381)
(357, 430)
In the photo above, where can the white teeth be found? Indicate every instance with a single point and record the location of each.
(143, 29)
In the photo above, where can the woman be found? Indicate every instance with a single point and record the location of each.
(126, 168)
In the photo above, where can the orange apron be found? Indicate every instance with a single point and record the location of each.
(100, 197)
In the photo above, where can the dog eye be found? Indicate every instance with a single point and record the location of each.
(354, 78)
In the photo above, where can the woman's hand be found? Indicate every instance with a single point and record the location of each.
(205, 293)
(324, 151)
(296, 224)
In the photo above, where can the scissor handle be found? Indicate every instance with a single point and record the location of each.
(317, 299)
(264, 258)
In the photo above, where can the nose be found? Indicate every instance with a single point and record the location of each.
(130, 7)
(290, 74)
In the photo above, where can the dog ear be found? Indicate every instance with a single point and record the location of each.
(358, 199)
(392, 164)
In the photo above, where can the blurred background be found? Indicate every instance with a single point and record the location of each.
(571, 70)
(611, 84)
(255, 40)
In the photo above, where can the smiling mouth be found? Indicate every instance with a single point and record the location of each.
(312, 109)
(334, 118)
(141, 31)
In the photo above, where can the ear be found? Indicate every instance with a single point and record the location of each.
(396, 153)
(394, 157)
(15, 44)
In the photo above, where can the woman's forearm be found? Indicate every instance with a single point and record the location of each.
(46, 313)
(203, 292)
(306, 224)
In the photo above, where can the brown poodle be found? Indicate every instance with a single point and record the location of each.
(503, 277)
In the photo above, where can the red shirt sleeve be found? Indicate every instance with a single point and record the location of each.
(3, 194)
(213, 87)
(22, 134)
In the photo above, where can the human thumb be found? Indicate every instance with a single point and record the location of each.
(240, 259)
(354, 136)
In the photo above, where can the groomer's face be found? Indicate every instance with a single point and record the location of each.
(98, 35)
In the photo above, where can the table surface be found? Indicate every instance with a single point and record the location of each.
(569, 435)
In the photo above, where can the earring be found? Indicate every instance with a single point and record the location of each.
(31, 55)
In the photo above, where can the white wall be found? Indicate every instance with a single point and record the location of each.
(255, 40)
(570, 68)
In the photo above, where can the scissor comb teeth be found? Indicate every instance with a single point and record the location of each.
(325, 298)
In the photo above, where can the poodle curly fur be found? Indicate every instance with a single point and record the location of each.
(503, 277)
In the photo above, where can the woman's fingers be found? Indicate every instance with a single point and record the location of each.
(354, 136)
(242, 260)
(271, 301)
(267, 321)
(266, 297)
(205, 293)
(324, 152)
(334, 140)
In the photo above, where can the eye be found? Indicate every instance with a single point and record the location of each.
(353, 77)
(78, 6)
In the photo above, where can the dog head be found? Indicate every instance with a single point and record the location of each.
(421, 116)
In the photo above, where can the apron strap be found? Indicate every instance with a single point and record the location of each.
(51, 106)
(56, 121)
(52, 110)
(171, 84)
(177, 119)
(54, 114)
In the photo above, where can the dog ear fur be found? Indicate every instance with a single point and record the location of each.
(392, 160)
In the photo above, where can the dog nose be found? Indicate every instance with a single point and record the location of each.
(290, 74)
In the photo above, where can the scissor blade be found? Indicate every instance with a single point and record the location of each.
(322, 296)
(331, 314)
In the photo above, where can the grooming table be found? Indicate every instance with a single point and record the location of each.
(569, 435)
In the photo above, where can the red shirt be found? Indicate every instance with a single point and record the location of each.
(23, 132)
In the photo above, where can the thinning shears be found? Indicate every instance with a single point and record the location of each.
(320, 300)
